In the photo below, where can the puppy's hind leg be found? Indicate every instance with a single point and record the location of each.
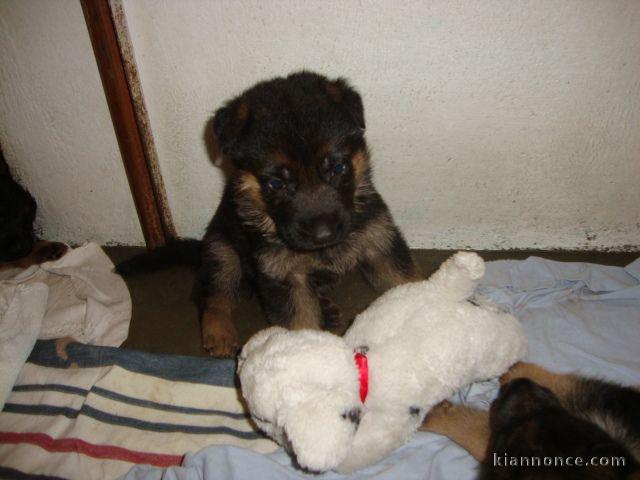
(220, 278)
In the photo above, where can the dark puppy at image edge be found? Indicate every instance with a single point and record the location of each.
(299, 208)
(539, 414)
(19, 247)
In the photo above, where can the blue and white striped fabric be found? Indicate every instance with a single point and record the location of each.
(80, 411)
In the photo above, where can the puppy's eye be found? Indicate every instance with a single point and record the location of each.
(338, 168)
(275, 184)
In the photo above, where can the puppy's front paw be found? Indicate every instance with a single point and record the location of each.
(219, 337)
(221, 347)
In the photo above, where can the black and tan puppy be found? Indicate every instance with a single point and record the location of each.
(299, 208)
(548, 426)
(18, 245)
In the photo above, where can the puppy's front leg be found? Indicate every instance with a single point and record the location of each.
(468, 427)
(291, 302)
(220, 277)
(388, 264)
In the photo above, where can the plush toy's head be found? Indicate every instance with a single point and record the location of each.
(302, 389)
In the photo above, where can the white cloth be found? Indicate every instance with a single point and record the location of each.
(87, 300)
(22, 308)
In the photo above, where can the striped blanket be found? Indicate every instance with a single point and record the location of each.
(81, 411)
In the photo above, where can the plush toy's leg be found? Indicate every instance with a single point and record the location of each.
(467, 427)
(458, 276)
(377, 436)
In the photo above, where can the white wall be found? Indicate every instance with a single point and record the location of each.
(55, 128)
(511, 124)
(493, 124)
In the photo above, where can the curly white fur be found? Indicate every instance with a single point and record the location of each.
(424, 341)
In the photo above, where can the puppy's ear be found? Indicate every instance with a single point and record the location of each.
(230, 122)
(346, 97)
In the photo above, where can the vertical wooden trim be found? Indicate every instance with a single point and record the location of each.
(102, 32)
(142, 116)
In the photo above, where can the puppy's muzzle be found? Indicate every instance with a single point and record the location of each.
(321, 230)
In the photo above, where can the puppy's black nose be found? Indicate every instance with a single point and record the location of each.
(320, 229)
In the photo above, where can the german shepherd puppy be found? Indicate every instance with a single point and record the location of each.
(538, 415)
(299, 208)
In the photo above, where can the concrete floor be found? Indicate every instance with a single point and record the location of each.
(165, 318)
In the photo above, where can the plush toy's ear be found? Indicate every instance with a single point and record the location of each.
(346, 97)
(230, 122)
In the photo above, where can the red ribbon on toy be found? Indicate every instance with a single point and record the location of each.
(363, 374)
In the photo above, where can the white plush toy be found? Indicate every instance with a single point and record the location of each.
(342, 403)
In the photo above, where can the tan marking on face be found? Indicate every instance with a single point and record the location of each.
(251, 206)
(360, 164)
(250, 187)
(334, 91)
(325, 148)
(282, 159)
(242, 112)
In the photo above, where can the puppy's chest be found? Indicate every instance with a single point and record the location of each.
(281, 263)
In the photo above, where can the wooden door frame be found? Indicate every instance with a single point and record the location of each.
(112, 48)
